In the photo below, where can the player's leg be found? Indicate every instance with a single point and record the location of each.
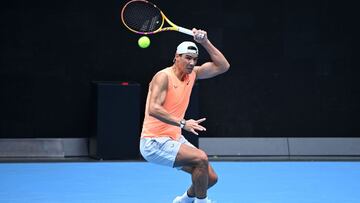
(213, 178)
(196, 159)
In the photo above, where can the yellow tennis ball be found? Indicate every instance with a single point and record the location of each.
(144, 42)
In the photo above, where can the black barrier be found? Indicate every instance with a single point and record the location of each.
(116, 121)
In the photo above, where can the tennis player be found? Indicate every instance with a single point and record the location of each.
(167, 100)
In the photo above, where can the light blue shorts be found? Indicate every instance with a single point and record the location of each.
(161, 150)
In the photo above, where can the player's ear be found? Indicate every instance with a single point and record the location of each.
(174, 60)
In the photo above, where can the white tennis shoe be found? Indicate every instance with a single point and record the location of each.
(178, 200)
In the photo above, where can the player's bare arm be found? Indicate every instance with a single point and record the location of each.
(218, 64)
(158, 88)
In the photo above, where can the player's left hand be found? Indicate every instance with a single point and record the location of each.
(192, 125)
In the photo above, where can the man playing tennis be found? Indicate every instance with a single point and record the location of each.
(167, 100)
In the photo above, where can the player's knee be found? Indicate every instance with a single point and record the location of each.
(202, 158)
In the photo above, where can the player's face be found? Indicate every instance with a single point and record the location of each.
(187, 62)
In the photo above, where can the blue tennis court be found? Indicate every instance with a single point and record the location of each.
(137, 182)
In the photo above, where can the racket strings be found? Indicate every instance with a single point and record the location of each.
(142, 17)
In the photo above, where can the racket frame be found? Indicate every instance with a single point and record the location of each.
(173, 26)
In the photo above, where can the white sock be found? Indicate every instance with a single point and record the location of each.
(186, 199)
(205, 200)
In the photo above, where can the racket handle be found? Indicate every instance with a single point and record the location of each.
(186, 31)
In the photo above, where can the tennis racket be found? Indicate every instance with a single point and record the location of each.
(143, 17)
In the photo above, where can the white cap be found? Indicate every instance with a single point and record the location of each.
(187, 47)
